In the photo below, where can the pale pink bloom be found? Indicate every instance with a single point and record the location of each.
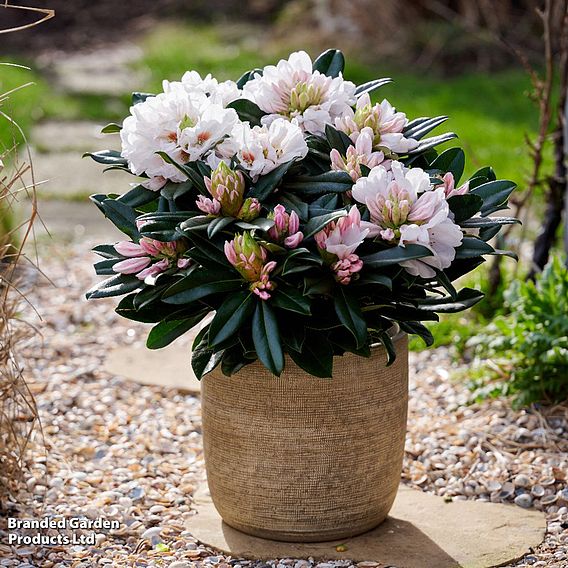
(449, 186)
(405, 209)
(261, 149)
(286, 227)
(183, 262)
(184, 125)
(359, 154)
(291, 89)
(342, 237)
(385, 122)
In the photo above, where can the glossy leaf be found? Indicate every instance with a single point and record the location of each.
(330, 63)
(266, 338)
(233, 314)
(349, 314)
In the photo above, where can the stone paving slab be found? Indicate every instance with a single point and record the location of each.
(107, 72)
(68, 176)
(56, 136)
(168, 367)
(422, 531)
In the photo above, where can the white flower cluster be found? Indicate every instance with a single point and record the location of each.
(190, 121)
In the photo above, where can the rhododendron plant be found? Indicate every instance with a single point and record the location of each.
(294, 212)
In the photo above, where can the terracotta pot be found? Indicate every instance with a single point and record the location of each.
(304, 459)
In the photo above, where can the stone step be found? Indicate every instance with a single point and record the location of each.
(55, 136)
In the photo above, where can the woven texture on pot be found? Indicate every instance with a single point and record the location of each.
(300, 458)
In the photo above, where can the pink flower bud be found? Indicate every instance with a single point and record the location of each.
(449, 186)
(250, 209)
(132, 265)
(154, 269)
(285, 229)
(209, 206)
(294, 240)
(346, 268)
(228, 188)
(128, 248)
(183, 262)
(150, 246)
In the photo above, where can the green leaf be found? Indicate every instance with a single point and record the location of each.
(316, 224)
(122, 216)
(247, 111)
(419, 329)
(231, 316)
(108, 157)
(483, 222)
(451, 160)
(371, 86)
(197, 223)
(349, 314)
(218, 224)
(395, 255)
(316, 357)
(472, 247)
(291, 299)
(138, 196)
(428, 143)
(328, 182)
(114, 286)
(330, 63)
(169, 160)
(200, 283)
(140, 97)
(111, 128)
(494, 194)
(466, 298)
(165, 332)
(106, 251)
(464, 206)
(266, 338)
(204, 359)
(265, 185)
(419, 127)
(337, 139)
(370, 278)
(388, 344)
(260, 223)
(247, 76)
(206, 253)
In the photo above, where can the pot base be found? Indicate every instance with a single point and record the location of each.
(422, 531)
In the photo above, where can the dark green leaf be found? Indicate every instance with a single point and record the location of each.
(218, 224)
(122, 216)
(167, 331)
(330, 63)
(328, 182)
(466, 298)
(316, 224)
(204, 359)
(247, 111)
(137, 196)
(349, 314)
(472, 247)
(494, 195)
(450, 160)
(419, 127)
(371, 86)
(337, 139)
(266, 338)
(140, 97)
(107, 157)
(201, 283)
(395, 255)
(265, 185)
(464, 206)
(231, 316)
(114, 286)
(246, 77)
(291, 299)
(261, 223)
(428, 143)
(106, 251)
(419, 329)
(316, 357)
(483, 222)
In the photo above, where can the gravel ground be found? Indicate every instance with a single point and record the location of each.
(132, 453)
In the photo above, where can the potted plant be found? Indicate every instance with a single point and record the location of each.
(319, 228)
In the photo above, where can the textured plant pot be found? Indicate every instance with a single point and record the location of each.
(304, 459)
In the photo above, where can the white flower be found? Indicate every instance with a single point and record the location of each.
(291, 89)
(261, 149)
(404, 208)
(185, 126)
(385, 122)
(220, 93)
